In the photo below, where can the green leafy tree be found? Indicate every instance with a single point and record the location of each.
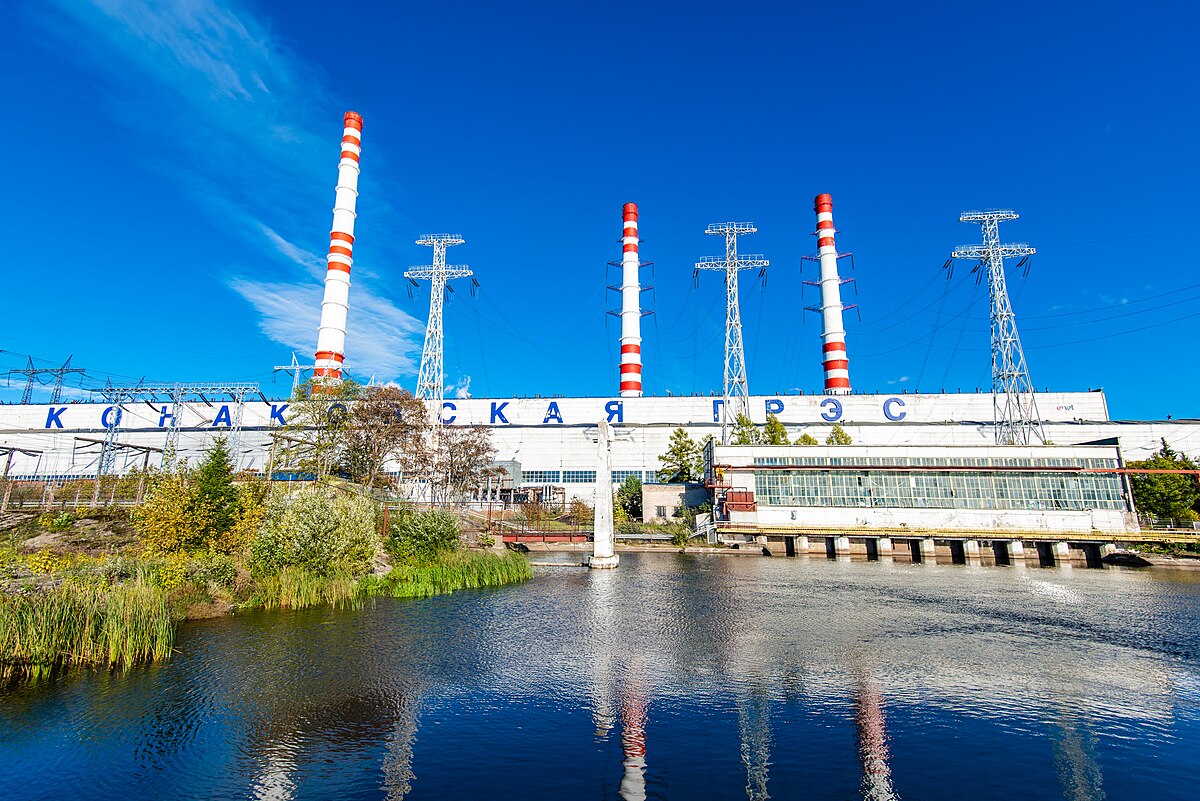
(838, 436)
(775, 433)
(215, 491)
(683, 461)
(629, 498)
(745, 432)
(807, 439)
(1165, 494)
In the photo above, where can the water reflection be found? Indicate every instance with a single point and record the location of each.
(872, 741)
(723, 676)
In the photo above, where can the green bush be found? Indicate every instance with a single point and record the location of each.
(217, 568)
(318, 529)
(417, 537)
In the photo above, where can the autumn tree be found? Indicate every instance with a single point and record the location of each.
(385, 424)
(838, 436)
(318, 417)
(1172, 495)
(465, 457)
(807, 439)
(682, 461)
(774, 433)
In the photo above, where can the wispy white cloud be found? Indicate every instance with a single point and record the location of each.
(462, 389)
(225, 111)
(901, 380)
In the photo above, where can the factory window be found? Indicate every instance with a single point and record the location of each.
(540, 477)
(940, 489)
(578, 476)
(619, 476)
(661, 511)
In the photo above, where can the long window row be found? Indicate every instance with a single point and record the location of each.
(939, 490)
(583, 476)
(930, 461)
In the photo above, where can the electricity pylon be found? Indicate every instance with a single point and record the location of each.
(1014, 408)
(735, 394)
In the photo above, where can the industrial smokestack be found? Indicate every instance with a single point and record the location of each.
(833, 332)
(631, 312)
(331, 336)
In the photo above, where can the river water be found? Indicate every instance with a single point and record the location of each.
(684, 677)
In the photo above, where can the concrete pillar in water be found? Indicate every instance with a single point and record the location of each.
(971, 549)
(841, 545)
(928, 549)
(885, 547)
(1016, 552)
(802, 545)
(1062, 551)
(602, 538)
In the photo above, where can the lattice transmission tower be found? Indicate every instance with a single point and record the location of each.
(1014, 407)
(735, 394)
(431, 380)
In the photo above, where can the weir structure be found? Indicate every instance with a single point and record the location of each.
(735, 395)
(331, 336)
(833, 330)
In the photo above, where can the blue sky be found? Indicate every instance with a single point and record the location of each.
(174, 165)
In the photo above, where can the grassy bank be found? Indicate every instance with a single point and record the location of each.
(453, 570)
(81, 625)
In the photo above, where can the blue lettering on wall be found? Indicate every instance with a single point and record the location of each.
(223, 417)
(833, 411)
(774, 406)
(615, 409)
(717, 409)
(53, 419)
(110, 420)
(452, 407)
(895, 417)
(277, 413)
(552, 413)
(164, 416)
(498, 412)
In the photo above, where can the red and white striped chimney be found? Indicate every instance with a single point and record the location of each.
(833, 332)
(631, 312)
(331, 336)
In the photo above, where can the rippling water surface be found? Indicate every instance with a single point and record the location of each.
(686, 677)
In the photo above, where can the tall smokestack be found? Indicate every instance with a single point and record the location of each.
(631, 312)
(833, 332)
(331, 336)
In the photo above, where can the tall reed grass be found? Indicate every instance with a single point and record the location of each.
(456, 570)
(83, 625)
(297, 588)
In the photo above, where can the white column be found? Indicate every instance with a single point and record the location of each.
(602, 539)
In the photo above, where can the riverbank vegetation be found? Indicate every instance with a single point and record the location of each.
(107, 589)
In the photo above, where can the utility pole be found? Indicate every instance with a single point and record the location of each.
(735, 393)
(1014, 407)
(431, 380)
